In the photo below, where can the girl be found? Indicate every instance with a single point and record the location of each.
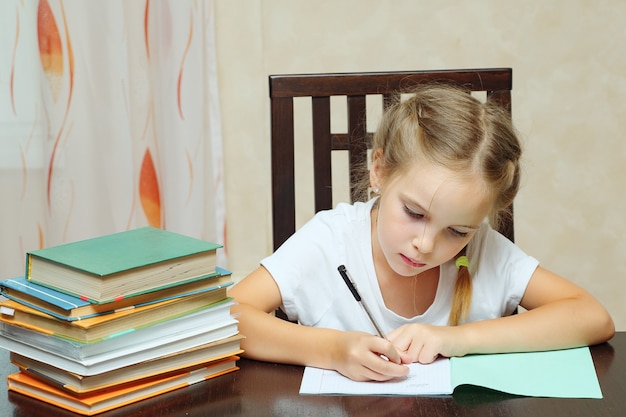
(436, 277)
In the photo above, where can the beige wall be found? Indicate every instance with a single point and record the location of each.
(569, 70)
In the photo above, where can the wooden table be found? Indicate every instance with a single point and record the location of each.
(262, 389)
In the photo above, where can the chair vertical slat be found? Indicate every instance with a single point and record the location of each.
(357, 140)
(283, 182)
(322, 170)
(388, 100)
(503, 98)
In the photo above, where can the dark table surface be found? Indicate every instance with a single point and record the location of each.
(263, 389)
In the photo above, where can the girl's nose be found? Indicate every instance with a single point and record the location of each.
(424, 242)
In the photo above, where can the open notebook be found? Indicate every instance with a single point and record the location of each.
(562, 373)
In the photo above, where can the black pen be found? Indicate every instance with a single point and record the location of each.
(346, 278)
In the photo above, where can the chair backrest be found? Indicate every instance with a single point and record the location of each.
(495, 82)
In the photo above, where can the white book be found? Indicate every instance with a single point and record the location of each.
(114, 360)
(194, 358)
(123, 343)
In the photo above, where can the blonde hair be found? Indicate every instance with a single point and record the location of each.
(449, 127)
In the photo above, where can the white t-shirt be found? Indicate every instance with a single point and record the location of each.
(314, 294)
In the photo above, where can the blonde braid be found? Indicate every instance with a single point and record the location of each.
(462, 298)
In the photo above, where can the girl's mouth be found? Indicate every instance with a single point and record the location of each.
(411, 262)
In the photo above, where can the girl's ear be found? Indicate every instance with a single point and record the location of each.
(376, 170)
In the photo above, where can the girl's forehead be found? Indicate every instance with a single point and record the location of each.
(458, 194)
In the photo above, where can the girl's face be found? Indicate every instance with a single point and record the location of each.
(426, 215)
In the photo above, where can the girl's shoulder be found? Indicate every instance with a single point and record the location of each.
(497, 254)
(344, 217)
(486, 235)
(332, 227)
(348, 213)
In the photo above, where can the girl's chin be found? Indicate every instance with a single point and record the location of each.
(409, 272)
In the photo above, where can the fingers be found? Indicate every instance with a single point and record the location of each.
(401, 338)
(377, 368)
(425, 356)
(419, 352)
(387, 349)
(372, 358)
(417, 343)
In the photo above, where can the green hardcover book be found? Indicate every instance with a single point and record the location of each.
(121, 265)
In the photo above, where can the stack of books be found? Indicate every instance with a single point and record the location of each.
(100, 323)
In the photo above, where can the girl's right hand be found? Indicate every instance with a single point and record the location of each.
(364, 357)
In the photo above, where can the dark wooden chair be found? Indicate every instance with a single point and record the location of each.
(496, 83)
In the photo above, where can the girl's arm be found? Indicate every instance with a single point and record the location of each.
(354, 354)
(560, 315)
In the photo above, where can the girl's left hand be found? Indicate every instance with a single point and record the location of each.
(423, 343)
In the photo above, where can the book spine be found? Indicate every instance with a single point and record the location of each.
(47, 378)
(27, 270)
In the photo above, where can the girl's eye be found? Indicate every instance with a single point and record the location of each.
(458, 233)
(412, 213)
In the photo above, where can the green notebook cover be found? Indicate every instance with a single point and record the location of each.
(118, 252)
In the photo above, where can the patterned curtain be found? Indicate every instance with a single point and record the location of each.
(109, 120)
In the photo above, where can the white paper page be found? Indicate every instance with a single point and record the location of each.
(431, 379)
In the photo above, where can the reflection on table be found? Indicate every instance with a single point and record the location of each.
(265, 389)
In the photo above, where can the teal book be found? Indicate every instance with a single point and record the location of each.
(124, 264)
(68, 307)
